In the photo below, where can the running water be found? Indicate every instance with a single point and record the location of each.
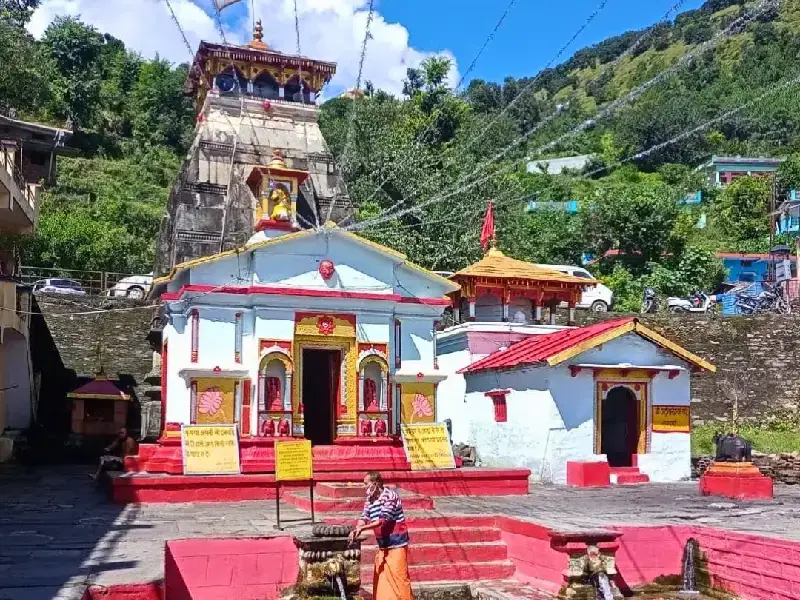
(604, 591)
(341, 587)
(689, 571)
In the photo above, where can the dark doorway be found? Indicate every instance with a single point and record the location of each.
(320, 387)
(619, 433)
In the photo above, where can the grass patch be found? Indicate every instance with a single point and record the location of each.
(763, 440)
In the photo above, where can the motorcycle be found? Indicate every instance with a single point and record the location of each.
(697, 302)
(649, 301)
(772, 299)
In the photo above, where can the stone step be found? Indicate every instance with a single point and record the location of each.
(324, 504)
(445, 554)
(454, 535)
(462, 571)
(428, 520)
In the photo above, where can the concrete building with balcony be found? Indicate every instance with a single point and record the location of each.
(27, 161)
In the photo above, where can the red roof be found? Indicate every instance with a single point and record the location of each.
(538, 348)
(101, 389)
(555, 348)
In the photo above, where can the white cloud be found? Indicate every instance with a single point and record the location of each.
(329, 30)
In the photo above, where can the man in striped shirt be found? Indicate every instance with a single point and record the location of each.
(383, 514)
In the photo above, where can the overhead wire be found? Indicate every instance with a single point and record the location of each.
(606, 112)
(421, 136)
(606, 68)
(344, 165)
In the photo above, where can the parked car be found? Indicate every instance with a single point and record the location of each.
(59, 286)
(135, 286)
(598, 298)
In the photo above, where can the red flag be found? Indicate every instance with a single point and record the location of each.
(487, 231)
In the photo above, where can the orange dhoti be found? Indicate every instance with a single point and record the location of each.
(391, 580)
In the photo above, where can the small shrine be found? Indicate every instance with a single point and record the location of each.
(99, 407)
(498, 281)
(276, 188)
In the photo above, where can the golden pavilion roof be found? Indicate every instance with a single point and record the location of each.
(496, 265)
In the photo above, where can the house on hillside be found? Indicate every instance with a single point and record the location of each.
(724, 170)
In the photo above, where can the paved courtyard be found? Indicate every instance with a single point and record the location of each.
(58, 532)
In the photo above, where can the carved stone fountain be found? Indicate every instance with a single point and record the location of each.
(330, 565)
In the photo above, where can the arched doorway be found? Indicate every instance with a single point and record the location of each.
(619, 430)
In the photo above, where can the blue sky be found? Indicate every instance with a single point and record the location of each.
(404, 32)
(530, 36)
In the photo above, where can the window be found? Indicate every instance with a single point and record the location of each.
(748, 276)
(499, 401)
(37, 158)
(237, 343)
(195, 318)
(397, 340)
(582, 275)
(98, 411)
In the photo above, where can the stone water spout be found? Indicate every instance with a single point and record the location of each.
(689, 569)
(594, 568)
(330, 565)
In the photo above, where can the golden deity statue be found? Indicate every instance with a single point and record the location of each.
(282, 207)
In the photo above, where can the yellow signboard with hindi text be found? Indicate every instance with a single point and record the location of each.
(293, 461)
(428, 447)
(671, 419)
(210, 449)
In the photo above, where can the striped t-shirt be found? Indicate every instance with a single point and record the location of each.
(388, 509)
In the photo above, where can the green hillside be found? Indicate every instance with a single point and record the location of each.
(421, 167)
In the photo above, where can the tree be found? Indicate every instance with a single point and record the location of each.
(75, 49)
(741, 210)
(17, 12)
(24, 85)
(636, 218)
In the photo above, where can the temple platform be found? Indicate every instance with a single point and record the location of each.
(737, 480)
(139, 487)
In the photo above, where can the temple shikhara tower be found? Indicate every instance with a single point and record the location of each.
(256, 126)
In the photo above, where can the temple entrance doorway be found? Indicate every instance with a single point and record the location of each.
(321, 375)
(620, 424)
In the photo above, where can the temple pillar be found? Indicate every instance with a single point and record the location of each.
(281, 92)
(506, 300)
(472, 309)
(571, 314)
(537, 313)
(456, 314)
(552, 313)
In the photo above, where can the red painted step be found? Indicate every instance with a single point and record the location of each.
(629, 478)
(456, 535)
(341, 490)
(448, 554)
(452, 572)
(629, 475)
(325, 504)
(426, 520)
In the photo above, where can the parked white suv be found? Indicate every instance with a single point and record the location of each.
(136, 287)
(598, 298)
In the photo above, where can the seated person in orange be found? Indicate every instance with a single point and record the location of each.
(115, 454)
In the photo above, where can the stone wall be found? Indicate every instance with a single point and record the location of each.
(118, 335)
(757, 359)
(69, 347)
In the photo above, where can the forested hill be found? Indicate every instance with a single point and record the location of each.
(433, 156)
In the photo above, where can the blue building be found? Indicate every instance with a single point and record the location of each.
(724, 170)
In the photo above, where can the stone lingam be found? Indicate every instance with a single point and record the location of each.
(733, 474)
(330, 564)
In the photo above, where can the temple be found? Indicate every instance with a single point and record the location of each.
(251, 101)
(564, 402)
